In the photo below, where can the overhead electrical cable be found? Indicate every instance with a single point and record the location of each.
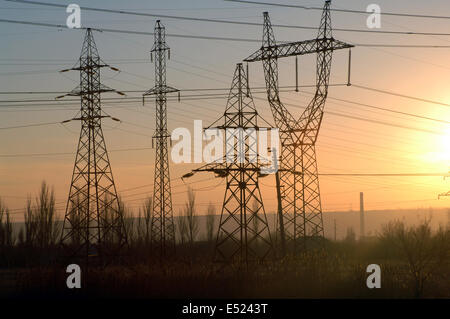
(387, 13)
(205, 37)
(197, 19)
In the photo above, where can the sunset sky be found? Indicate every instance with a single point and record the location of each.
(373, 141)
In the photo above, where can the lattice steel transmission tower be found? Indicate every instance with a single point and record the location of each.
(243, 233)
(444, 194)
(300, 209)
(163, 228)
(93, 222)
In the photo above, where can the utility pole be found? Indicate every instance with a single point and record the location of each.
(446, 195)
(299, 181)
(238, 239)
(361, 216)
(280, 214)
(163, 228)
(93, 228)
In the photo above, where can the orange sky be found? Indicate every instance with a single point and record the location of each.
(345, 145)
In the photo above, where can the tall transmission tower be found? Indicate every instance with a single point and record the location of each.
(299, 194)
(444, 194)
(163, 228)
(93, 222)
(243, 233)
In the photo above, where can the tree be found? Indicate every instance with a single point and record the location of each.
(424, 253)
(182, 228)
(128, 221)
(77, 210)
(351, 235)
(210, 221)
(41, 229)
(6, 234)
(30, 224)
(47, 232)
(145, 221)
(255, 217)
(190, 217)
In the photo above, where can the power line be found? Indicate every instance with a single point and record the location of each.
(58, 204)
(386, 174)
(190, 104)
(327, 112)
(340, 129)
(28, 72)
(181, 90)
(384, 123)
(247, 23)
(410, 15)
(223, 96)
(70, 153)
(369, 120)
(201, 37)
(410, 46)
(115, 99)
(29, 125)
(59, 26)
(257, 92)
(399, 95)
(391, 111)
(140, 91)
(321, 174)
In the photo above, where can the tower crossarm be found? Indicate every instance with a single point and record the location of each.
(78, 91)
(444, 195)
(161, 90)
(222, 169)
(87, 68)
(212, 167)
(298, 48)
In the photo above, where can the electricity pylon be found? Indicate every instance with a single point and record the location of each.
(300, 209)
(444, 194)
(93, 222)
(243, 234)
(163, 228)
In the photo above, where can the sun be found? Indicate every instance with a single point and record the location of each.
(444, 147)
(439, 147)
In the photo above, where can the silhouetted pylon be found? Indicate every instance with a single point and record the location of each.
(243, 234)
(300, 210)
(93, 229)
(444, 194)
(163, 228)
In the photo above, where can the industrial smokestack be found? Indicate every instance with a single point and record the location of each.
(361, 215)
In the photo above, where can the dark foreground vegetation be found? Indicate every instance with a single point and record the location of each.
(415, 263)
